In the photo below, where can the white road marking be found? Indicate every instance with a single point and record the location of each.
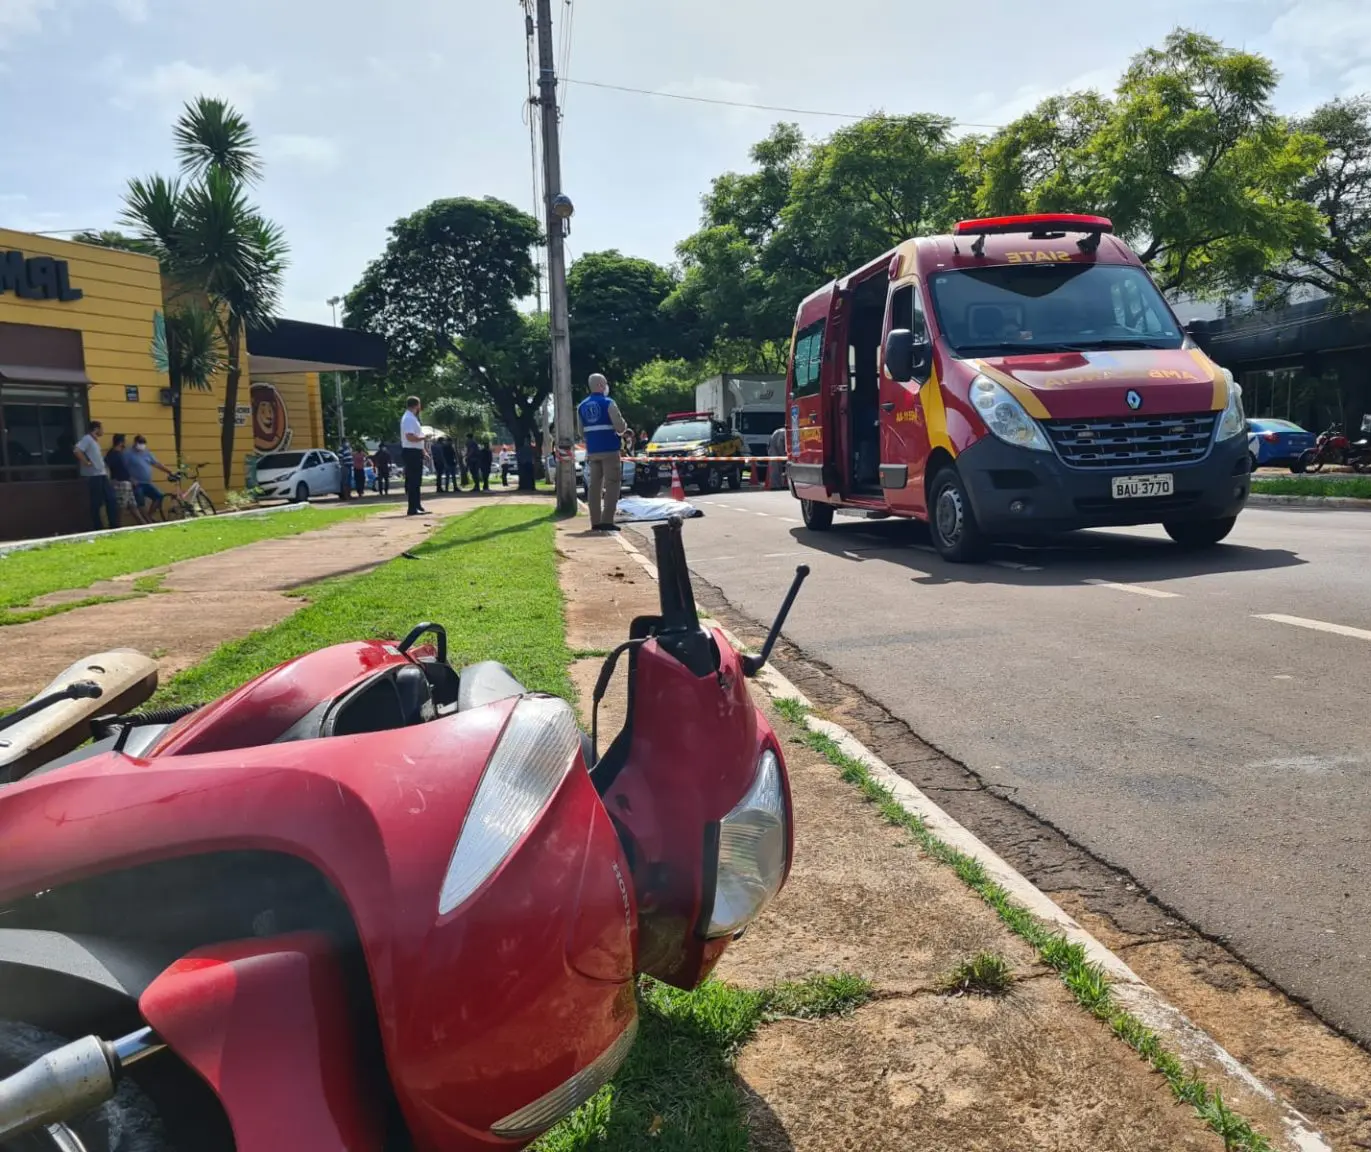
(781, 555)
(756, 513)
(1317, 625)
(853, 556)
(790, 519)
(1136, 589)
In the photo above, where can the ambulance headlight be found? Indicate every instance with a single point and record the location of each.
(1233, 421)
(1005, 416)
(754, 842)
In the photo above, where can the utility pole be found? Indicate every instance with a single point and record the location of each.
(333, 302)
(559, 210)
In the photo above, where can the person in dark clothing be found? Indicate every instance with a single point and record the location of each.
(380, 460)
(450, 463)
(484, 459)
(471, 455)
(118, 469)
(440, 464)
(457, 461)
(412, 449)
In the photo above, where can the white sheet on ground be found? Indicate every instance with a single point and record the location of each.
(635, 509)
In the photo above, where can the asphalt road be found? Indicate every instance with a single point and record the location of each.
(1140, 698)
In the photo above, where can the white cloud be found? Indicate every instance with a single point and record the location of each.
(319, 151)
(1324, 42)
(134, 11)
(169, 86)
(21, 18)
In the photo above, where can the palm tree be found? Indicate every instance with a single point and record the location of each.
(215, 247)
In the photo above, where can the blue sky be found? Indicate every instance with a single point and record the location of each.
(368, 110)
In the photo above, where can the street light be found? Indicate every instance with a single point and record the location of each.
(333, 302)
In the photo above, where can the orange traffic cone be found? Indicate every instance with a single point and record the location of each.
(677, 488)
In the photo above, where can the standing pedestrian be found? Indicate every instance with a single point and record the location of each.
(440, 464)
(359, 468)
(119, 476)
(99, 490)
(484, 459)
(450, 464)
(412, 451)
(140, 462)
(471, 460)
(602, 427)
(380, 460)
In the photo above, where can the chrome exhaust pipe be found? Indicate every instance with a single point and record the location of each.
(69, 1081)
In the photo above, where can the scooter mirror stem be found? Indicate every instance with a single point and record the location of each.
(81, 690)
(754, 664)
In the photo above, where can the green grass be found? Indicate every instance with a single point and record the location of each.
(80, 563)
(1086, 981)
(490, 577)
(677, 1091)
(985, 974)
(1356, 487)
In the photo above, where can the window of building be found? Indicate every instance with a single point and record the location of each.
(39, 427)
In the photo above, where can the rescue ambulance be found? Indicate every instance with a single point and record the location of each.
(1020, 377)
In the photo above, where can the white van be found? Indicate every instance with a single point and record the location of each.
(299, 475)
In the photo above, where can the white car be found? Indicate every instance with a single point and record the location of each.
(299, 475)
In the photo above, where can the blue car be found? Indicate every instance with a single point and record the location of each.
(1274, 441)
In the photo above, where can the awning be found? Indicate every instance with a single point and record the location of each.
(28, 374)
(294, 346)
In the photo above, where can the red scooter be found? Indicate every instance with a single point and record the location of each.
(367, 901)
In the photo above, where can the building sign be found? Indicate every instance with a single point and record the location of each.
(270, 420)
(36, 278)
(131, 393)
(241, 414)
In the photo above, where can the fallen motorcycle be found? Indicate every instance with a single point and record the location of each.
(367, 901)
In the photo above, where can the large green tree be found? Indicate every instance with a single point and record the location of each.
(656, 390)
(617, 319)
(1188, 158)
(444, 293)
(216, 248)
(1335, 256)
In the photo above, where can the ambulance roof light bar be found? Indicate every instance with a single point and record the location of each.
(1039, 224)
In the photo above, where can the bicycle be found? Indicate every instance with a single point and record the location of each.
(192, 501)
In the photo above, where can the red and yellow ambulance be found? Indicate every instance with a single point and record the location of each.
(1020, 377)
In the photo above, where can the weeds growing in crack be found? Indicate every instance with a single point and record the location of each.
(985, 974)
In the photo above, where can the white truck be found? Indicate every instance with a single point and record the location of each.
(753, 406)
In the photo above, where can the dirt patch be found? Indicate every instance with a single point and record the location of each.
(209, 600)
(1324, 1074)
(958, 1075)
(914, 1069)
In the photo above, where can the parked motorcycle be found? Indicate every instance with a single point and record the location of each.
(1331, 448)
(367, 900)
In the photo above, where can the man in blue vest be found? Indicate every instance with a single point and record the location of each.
(602, 426)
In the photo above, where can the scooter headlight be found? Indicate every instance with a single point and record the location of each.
(753, 845)
(532, 758)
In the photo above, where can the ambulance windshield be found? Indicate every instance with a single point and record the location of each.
(1020, 309)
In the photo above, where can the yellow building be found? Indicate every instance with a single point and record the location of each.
(77, 330)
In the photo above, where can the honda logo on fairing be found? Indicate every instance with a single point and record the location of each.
(1134, 400)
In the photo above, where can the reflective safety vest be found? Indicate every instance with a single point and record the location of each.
(597, 425)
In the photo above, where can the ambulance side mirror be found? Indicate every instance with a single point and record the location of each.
(899, 354)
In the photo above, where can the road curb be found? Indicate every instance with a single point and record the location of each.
(1339, 503)
(1186, 1039)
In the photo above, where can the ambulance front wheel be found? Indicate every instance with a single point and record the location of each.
(817, 517)
(951, 522)
(1199, 533)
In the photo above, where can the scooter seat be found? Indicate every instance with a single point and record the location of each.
(486, 683)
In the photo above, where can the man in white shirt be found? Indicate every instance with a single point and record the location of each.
(91, 460)
(412, 450)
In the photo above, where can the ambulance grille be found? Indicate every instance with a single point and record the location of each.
(1133, 441)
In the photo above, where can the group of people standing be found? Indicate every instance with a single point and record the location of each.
(474, 461)
(119, 479)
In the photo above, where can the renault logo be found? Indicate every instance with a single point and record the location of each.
(1134, 400)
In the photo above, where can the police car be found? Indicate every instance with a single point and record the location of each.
(711, 448)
